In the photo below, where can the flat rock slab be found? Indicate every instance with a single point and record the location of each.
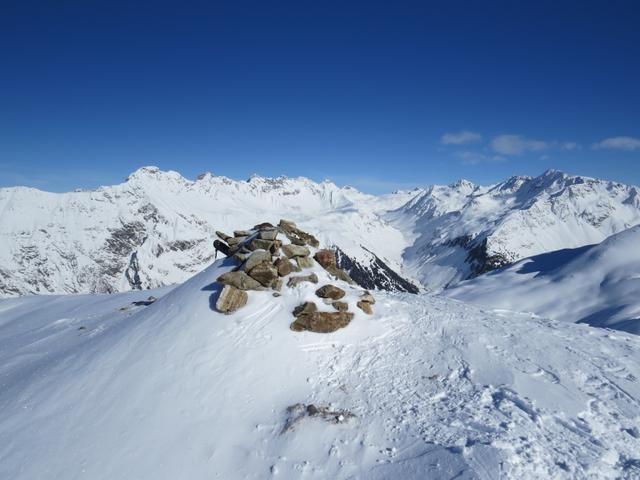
(239, 280)
(292, 251)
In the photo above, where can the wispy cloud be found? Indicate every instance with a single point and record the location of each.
(628, 144)
(474, 158)
(459, 138)
(517, 145)
(570, 146)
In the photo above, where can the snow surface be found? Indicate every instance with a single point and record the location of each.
(439, 389)
(596, 284)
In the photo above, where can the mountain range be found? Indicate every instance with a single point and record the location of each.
(157, 228)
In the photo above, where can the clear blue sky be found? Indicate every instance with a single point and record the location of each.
(381, 95)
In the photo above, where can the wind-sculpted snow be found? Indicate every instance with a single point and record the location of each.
(595, 284)
(97, 387)
(463, 230)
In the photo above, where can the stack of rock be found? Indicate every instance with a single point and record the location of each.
(263, 263)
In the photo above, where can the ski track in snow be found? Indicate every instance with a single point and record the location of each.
(440, 389)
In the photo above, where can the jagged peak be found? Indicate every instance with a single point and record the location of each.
(462, 183)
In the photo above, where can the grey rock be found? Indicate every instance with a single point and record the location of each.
(255, 258)
(268, 234)
(223, 236)
(231, 299)
(292, 251)
(304, 262)
(260, 244)
(241, 280)
(242, 233)
(284, 266)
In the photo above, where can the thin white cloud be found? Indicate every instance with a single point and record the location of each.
(517, 145)
(474, 158)
(628, 144)
(570, 146)
(459, 138)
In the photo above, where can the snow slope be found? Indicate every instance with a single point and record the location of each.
(157, 228)
(439, 389)
(459, 231)
(597, 284)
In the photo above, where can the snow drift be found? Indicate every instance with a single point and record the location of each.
(595, 284)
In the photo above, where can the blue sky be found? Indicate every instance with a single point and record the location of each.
(380, 95)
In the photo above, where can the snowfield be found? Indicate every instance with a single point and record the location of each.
(438, 389)
(596, 284)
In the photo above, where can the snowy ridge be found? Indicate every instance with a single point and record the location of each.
(96, 387)
(462, 230)
(595, 284)
(157, 228)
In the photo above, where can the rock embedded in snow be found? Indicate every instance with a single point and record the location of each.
(295, 281)
(365, 307)
(305, 308)
(368, 298)
(340, 306)
(330, 291)
(231, 299)
(322, 322)
(326, 258)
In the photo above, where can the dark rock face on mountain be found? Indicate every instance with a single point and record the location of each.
(376, 274)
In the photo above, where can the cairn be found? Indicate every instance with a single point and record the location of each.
(266, 261)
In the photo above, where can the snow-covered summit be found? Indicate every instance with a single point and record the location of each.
(462, 230)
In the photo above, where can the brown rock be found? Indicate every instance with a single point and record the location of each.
(305, 308)
(292, 251)
(231, 299)
(365, 307)
(284, 267)
(340, 306)
(368, 298)
(330, 291)
(322, 322)
(295, 281)
(265, 273)
(240, 280)
(242, 233)
(275, 247)
(304, 262)
(326, 258)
